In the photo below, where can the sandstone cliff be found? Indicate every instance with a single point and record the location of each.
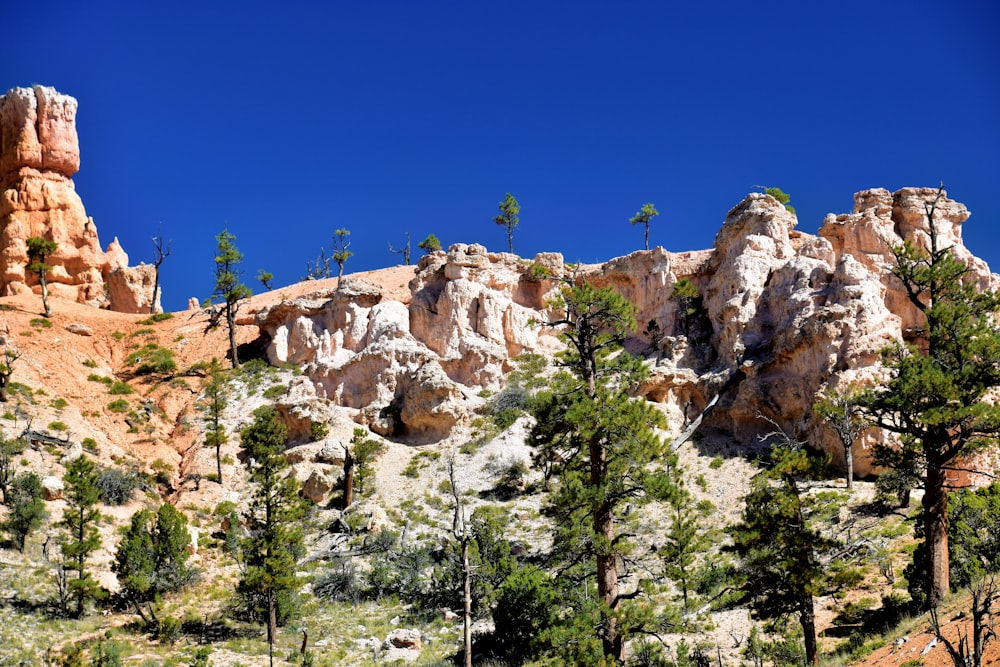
(39, 154)
(785, 316)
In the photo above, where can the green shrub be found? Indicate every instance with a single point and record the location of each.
(157, 317)
(90, 445)
(59, 403)
(318, 430)
(151, 358)
(94, 377)
(90, 363)
(716, 463)
(58, 426)
(142, 332)
(120, 389)
(119, 405)
(41, 323)
(117, 335)
(339, 582)
(274, 392)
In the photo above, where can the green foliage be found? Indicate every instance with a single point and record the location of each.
(341, 243)
(116, 487)
(275, 391)
(151, 358)
(366, 451)
(58, 426)
(9, 451)
(108, 653)
(339, 582)
(213, 405)
(265, 278)
(974, 534)
(508, 405)
(38, 250)
(26, 508)
(118, 405)
(59, 403)
(686, 538)
(782, 198)
(779, 549)
(644, 217)
(41, 323)
(526, 607)
(692, 317)
(269, 585)
(430, 244)
(937, 397)
(228, 286)
(152, 557)
(90, 363)
(81, 539)
(318, 431)
(508, 217)
(157, 317)
(602, 446)
(94, 377)
(120, 388)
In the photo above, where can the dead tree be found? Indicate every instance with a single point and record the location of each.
(460, 530)
(404, 251)
(7, 361)
(160, 253)
(349, 462)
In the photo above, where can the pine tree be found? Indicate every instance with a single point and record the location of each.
(845, 415)
(779, 550)
(341, 243)
(269, 583)
(152, 558)
(430, 244)
(213, 405)
(508, 218)
(38, 250)
(600, 443)
(82, 539)
(644, 217)
(27, 508)
(937, 395)
(228, 286)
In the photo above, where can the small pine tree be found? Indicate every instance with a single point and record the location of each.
(275, 540)
(27, 508)
(341, 243)
(782, 197)
(508, 218)
(644, 217)
(430, 244)
(82, 539)
(38, 250)
(152, 558)
(265, 278)
(213, 405)
(228, 287)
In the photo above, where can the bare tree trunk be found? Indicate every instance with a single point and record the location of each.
(607, 563)
(807, 617)
(45, 293)
(849, 461)
(218, 460)
(348, 477)
(935, 504)
(467, 590)
(272, 626)
(231, 323)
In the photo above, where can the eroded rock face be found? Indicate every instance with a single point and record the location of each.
(39, 154)
(783, 316)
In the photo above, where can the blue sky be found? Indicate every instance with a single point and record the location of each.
(285, 121)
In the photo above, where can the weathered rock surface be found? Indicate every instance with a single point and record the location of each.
(39, 154)
(784, 316)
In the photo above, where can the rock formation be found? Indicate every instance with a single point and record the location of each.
(39, 154)
(784, 316)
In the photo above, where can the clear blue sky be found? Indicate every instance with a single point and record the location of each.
(285, 121)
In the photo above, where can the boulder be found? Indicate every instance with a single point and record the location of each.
(53, 487)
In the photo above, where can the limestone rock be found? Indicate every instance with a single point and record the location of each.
(79, 329)
(39, 154)
(130, 289)
(53, 487)
(318, 486)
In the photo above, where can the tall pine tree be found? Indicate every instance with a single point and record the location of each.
(936, 396)
(601, 443)
(82, 539)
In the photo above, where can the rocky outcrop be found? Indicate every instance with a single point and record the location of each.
(782, 316)
(39, 154)
(130, 289)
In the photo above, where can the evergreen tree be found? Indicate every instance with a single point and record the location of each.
(508, 218)
(779, 550)
(644, 217)
(430, 244)
(160, 252)
(26, 508)
(686, 539)
(600, 443)
(152, 557)
(265, 278)
(341, 243)
(9, 451)
(781, 196)
(38, 250)
(216, 398)
(937, 397)
(275, 539)
(228, 287)
(7, 360)
(82, 539)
